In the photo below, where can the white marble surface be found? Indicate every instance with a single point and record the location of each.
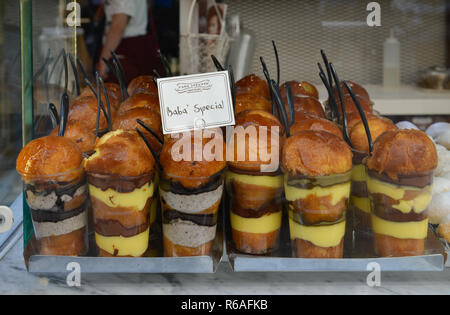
(15, 280)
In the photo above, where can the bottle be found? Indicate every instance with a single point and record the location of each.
(391, 62)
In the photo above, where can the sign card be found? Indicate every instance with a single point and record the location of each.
(194, 102)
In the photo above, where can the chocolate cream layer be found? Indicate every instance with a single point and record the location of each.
(56, 198)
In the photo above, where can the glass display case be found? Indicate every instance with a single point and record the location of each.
(356, 37)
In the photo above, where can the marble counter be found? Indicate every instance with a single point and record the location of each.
(15, 280)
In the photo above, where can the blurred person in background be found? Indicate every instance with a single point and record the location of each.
(130, 33)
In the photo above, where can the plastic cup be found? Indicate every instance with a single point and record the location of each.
(189, 215)
(255, 210)
(121, 207)
(58, 209)
(317, 214)
(399, 213)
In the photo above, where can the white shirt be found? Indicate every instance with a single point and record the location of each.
(137, 10)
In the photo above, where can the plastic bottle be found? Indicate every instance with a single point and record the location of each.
(391, 62)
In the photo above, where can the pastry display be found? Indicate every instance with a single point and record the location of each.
(191, 188)
(359, 200)
(121, 185)
(255, 192)
(80, 133)
(85, 109)
(358, 89)
(317, 171)
(55, 189)
(400, 177)
(252, 84)
(113, 91)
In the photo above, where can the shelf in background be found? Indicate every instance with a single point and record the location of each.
(406, 100)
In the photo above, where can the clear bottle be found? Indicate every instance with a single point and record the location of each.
(391, 62)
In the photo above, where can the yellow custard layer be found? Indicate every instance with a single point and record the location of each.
(268, 181)
(265, 224)
(362, 204)
(400, 230)
(134, 246)
(137, 199)
(418, 204)
(359, 173)
(337, 192)
(395, 192)
(320, 235)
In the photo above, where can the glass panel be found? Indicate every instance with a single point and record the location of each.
(10, 101)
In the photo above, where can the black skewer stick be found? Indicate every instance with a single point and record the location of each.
(341, 98)
(64, 114)
(281, 106)
(54, 114)
(155, 156)
(217, 63)
(290, 101)
(121, 76)
(275, 110)
(89, 84)
(232, 85)
(111, 67)
(108, 104)
(97, 120)
(327, 66)
(149, 129)
(165, 64)
(278, 62)
(75, 74)
(156, 73)
(100, 103)
(331, 100)
(362, 114)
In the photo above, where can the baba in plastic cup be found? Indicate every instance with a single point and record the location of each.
(190, 208)
(399, 213)
(255, 210)
(317, 214)
(122, 206)
(58, 209)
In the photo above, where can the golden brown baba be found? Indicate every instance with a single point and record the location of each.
(316, 153)
(351, 107)
(252, 84)
(403, 152)
(251, 101)
(79, 133)
(113, 91)
(256, 118)
(142, 84)
(122, 153)
(192, 171)
(316, 123)
(305, 104)
(49, 156)
(358, 89)
(141, 100)
(127, 121)
(354, 117)
(300, 89)
(85, 109)
(377, 126)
